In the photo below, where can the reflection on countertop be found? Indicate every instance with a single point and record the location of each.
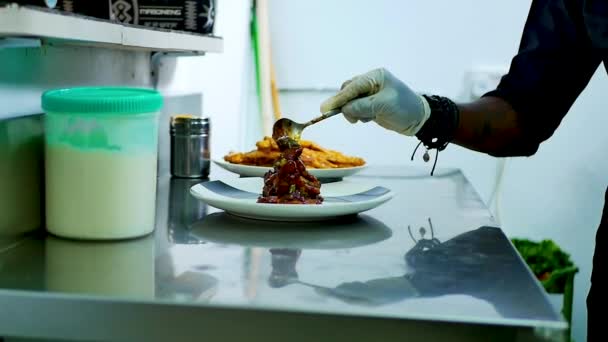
(348, 232)
(183, 210)
(21, 175)
(123, 269)
(478, 263)
(431, 252)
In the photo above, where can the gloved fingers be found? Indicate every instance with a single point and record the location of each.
(363, 85)
(350, 92)
(348, 118)
(345, 84)
(382, 122)
(360, 109)
(351, 120)
(354, 121)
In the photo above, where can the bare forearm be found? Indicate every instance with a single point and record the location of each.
(487, 125)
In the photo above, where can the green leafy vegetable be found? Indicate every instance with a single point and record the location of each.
(548, 262)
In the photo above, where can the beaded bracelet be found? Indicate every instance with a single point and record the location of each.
(438, 131)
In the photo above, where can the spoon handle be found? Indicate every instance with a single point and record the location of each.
(324, 116)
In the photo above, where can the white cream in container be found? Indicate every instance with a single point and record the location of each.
(101, 151)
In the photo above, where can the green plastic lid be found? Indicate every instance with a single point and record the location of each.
(100, 100)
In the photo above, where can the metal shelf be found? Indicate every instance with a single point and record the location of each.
(59, 28)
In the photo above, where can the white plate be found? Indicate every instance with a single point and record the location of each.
(239, 197)
(259, 171)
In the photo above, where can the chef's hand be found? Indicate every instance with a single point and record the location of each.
(379, 96)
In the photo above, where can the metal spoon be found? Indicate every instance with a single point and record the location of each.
(286, 127)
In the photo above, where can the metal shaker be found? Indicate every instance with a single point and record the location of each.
(190, 146)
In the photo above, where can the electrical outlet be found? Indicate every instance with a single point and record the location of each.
(481, 80)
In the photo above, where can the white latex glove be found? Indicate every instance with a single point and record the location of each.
(379, 96)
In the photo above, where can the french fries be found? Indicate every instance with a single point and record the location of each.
(313, 156)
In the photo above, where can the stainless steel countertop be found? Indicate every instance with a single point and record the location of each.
(429, 259)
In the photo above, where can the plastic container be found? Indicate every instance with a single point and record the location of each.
(101, 151)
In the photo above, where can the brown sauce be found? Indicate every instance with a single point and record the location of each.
(289, 182)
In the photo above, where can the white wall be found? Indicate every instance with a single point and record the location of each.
(221, 78)
(432, 44)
